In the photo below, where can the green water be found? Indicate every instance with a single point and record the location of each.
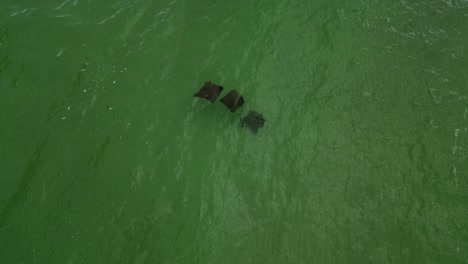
(105, 156)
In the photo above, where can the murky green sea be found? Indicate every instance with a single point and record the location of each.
(106, 156)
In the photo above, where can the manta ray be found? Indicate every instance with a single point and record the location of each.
(209, 91)
(233, 100)
(253, 120)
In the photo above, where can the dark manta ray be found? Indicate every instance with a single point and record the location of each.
(209, 91)
(233, 100)
(253, 120)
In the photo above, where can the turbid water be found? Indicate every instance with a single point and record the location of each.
(106, 156)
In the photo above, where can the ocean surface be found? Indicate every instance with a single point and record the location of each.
(106, 156)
